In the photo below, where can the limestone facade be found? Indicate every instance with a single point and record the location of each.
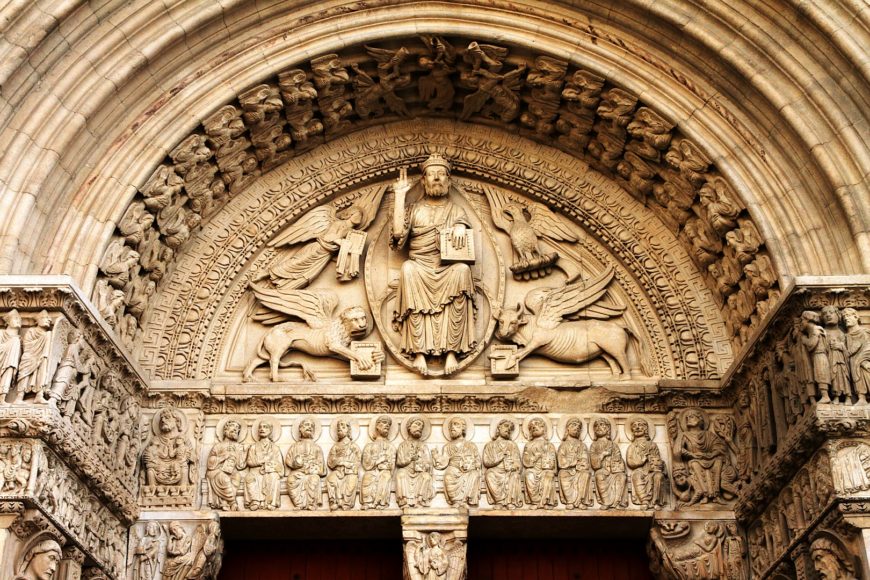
(525, 260)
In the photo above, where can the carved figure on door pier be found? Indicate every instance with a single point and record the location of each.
(435, 556)
(305, 461)
(460, 460)
(146, 553)
(344, 462)
(414, 482)
(838, 356)
(378, 462)
(815, 343)
(34, 368)
(503, 474)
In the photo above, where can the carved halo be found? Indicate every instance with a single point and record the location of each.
(427, 426)
(394, 427)
(705, 417)
(469, 426)
(591, 422)
(354, 427)
(219, 428)
(562, 426)
(180, 418)
(489, 290)
(493, 427)
(276, 428)
(294, 428)
(631, 419)
(548, 426)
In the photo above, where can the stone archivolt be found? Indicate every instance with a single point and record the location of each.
(541, 98)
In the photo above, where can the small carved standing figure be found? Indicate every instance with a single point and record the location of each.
(10, 351)
(503, 475)
(146, 553)
(265, 470)
(378, 461)
(575, 475)
(344, 462)
(305, 461)
(858, 348)
(33, 369)
(815, 341)
(608, 466)
(837, 354)
(224, 468)
(414, 483)
(460, 461)
(648, 469)
(539, 459)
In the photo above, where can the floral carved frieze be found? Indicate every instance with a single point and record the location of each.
(538, 97)
(698, 349)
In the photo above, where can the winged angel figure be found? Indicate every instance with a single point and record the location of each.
(570, 325)
(496, 94)
(321, 334)
(526, 222)
(434, 558)
(337, 227)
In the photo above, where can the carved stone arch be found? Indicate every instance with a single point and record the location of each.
(193, 307)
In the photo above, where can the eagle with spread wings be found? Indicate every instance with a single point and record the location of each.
(527, 223)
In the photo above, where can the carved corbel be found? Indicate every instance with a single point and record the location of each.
(435, 544)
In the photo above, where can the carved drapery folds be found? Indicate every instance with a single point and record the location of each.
(187, 548)
(435, 545)
(169, 470)
(698, 550)
(388, 462)
(537, 95)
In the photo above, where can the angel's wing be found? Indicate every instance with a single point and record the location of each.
(412, 553)
(512, 80)
(59, 343)
(315, 307)
(362, 80)
(456, 558)
(368, 203)
(498, 200)
(385, 55)
(558, 303)
(307, 227)
(549, 224)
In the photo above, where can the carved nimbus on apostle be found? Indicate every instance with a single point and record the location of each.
(428, 273)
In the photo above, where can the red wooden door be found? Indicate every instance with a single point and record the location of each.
(328, 559)
(488, 559)
(557, 559)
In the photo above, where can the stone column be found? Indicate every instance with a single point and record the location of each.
(435, 541)
(70, 567)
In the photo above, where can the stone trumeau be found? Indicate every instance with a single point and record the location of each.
(488, 273)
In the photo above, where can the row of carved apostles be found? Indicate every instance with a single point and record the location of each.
(540, 475)
(45, 361)
(823, 357)
(577, 110)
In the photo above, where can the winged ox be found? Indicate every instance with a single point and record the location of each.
(569, 325)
